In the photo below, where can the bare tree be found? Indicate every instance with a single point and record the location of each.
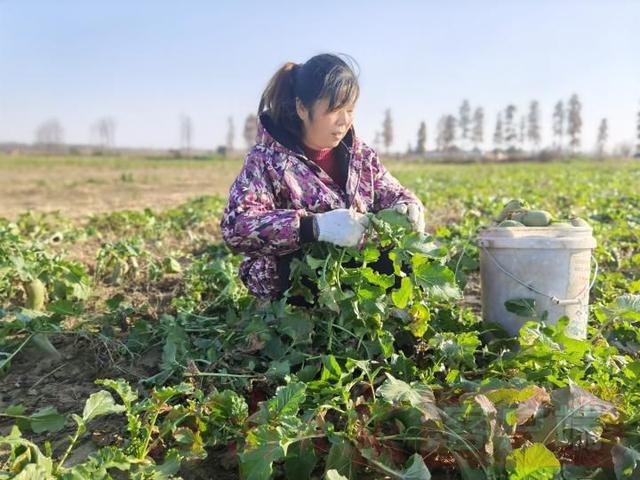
(104, 131)
(387, 130)
(603, 136)
(464, 121)
(498, 134)
(421, 146)
(522, 131)
(440, 134)
(186, 134)
(50, 133)
(449, 132)
(574, 122)
(558, 124)
(533, 125)
(510, 135)
(250, 130)
(477, 131)
(231, 133)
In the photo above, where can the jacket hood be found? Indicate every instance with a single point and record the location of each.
(273, 136)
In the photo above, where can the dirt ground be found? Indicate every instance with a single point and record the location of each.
(79, 186)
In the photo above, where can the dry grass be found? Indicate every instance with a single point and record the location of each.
(78, 186)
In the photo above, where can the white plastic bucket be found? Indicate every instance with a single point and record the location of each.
(550, 264)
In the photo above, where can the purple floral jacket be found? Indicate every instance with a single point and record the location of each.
(279, 189)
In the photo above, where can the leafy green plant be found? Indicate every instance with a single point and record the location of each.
(120, 261)
(38, 288)
(388, 375)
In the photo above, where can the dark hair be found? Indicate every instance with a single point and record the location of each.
(322, 76)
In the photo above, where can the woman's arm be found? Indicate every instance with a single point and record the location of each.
(251, 223)
(387, 190)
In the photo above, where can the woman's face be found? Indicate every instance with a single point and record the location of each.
(327, 128)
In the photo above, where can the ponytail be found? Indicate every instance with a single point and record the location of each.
(279, 98)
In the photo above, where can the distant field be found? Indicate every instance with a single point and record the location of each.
(82, 185)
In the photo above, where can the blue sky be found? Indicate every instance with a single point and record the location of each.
(145, 63)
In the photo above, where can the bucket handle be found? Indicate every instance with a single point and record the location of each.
(552, 298)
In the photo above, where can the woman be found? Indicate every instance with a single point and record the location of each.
(309, 177)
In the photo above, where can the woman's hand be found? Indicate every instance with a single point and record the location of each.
(343, 226)
(413, 213)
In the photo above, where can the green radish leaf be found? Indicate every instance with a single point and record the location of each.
(297, 327)
(334, 475)
(415, 467)
(437, 280)
(114, 302)
(420, 396)
(287, 401)
(16, 410)
(99, 463)
(167, 470)
(122, 388)
(628, 306)
(370, 254)
(402, 296)
(113, 457)
(98, 404)
(629, 302)
(626, 462)
(420, 317)
(375, 278)
(47, 419)
(228, 406)
(523, 307)
(300, 461)
(39, 466)
(264, 446)
(66, 307)
(171, 265)
(331, 369)
(340, 459)
(315, 262)
(394, 218)
(536, 462)
(33, 471)
(165, 394)
(580, 410)
(386, 339)
(457, 348)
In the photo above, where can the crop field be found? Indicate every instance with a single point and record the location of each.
(129, 347)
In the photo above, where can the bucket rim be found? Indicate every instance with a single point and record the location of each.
(549, 232)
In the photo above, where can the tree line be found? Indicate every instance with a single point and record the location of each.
(515, 131)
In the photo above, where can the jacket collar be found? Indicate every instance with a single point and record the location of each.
(273, 136)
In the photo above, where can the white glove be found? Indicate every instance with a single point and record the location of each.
(343, 226)
(413, 213)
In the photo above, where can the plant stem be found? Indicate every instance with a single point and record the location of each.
(10, 357)
(75, 438)
(544, 441)
(221, 374)
(143, 453)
